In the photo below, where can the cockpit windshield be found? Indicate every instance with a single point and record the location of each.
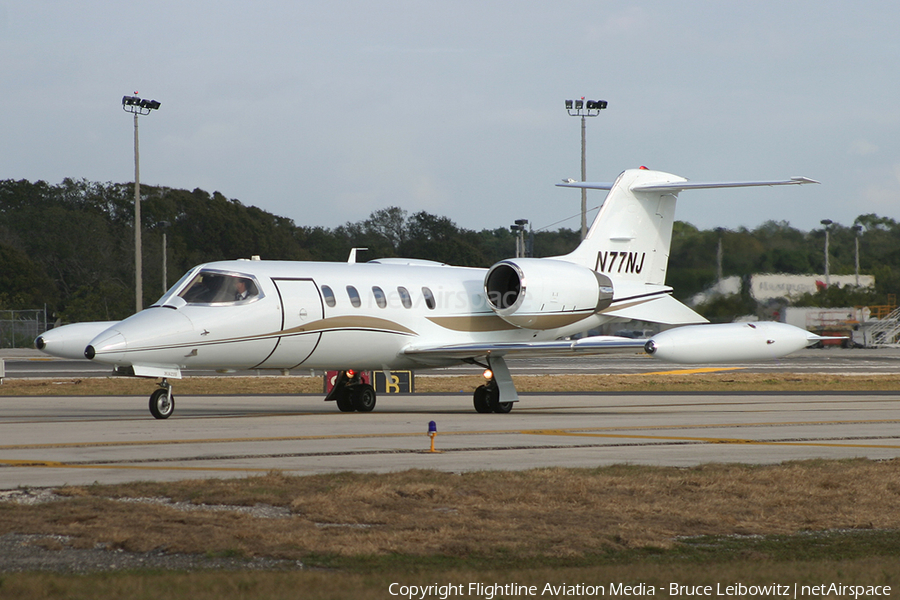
(218, 287)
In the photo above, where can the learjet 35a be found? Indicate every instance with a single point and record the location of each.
(412, 314)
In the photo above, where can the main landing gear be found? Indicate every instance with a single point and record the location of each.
(499, 393)
(487, 399)
(162, 403)
(351, 393)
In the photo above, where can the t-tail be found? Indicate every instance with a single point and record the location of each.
(630, 237)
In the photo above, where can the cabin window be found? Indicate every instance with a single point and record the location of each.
(429, 298)
(329, 296)
(380, 298)
(216, 287)
(354, 296)
(405, 297)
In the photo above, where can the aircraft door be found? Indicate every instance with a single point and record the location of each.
(301, 305)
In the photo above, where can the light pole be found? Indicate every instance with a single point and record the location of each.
(519, 231)
(163, 226)
(580, 108)
(136, 106)
(858, 230)
(827, 223)
(719, 254)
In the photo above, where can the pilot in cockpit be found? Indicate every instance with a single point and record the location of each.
(242, 289)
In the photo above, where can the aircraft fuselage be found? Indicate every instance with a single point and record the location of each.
(312, 315)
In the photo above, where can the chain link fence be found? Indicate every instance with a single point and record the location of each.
(18, 328)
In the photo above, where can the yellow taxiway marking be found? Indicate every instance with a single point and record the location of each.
(50, 464)
(604, 433)
(232, 440)
(711, 440)
(574, 431)
(688, 371)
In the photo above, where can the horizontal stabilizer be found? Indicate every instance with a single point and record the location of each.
(689, 185)
(685, 185)
(664, 309)
(588, 185)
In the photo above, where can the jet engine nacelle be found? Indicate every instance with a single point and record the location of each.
(728, 342)
(544, 293)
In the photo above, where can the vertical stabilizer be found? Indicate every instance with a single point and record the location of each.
(630, 236)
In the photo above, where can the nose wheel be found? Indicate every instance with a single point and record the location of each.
(162, 403)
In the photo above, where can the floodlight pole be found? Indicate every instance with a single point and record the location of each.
(163, 226)
(136, 106)
(827, 223)
(518, 230)
(138, 246)
(719, 255)
(580, 108)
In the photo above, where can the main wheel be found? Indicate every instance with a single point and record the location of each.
(161, 405)
(501, 407)
(344, 401)
(481, 399)
(363, 396)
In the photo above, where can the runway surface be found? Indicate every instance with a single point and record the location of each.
(49, 441)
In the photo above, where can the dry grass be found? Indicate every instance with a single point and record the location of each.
(326, 585)
(558, 513)
(696, 382)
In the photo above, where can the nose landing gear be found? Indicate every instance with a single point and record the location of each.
(162, 403)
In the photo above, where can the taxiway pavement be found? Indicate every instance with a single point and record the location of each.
(51, 441)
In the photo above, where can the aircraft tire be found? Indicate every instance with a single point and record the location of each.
(160, 405)
(345, 402)
(363, 397)
(501, 407)
(494, 404)
(481, 399)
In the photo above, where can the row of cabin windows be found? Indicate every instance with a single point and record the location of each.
(380, 297)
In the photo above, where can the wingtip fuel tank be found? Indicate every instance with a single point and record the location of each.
(728, 342)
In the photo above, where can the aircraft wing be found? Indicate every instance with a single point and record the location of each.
(599, 344)
(677, 186)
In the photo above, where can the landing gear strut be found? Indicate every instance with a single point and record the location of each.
(351, 393)
(162, 403)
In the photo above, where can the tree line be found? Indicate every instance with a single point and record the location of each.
(70, 246)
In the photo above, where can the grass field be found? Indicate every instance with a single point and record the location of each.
(805, 522)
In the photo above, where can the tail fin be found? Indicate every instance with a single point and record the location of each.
(629, 239)
(630, 236)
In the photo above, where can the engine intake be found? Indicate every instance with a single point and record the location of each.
(544, 293)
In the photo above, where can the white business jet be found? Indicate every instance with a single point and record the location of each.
(413, 314)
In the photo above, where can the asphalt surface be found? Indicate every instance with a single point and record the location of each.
(49, 441)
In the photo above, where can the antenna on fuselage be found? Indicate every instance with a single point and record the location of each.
(352, 258)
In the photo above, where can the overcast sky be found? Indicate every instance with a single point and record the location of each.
(326, 111)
